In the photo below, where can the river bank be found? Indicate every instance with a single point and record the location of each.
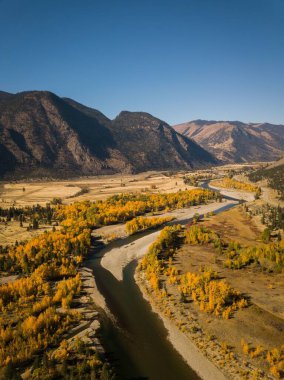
(115, 280)
(183, 343)
(196, 343)
(116, 259)
(233, 193)
(208, 357)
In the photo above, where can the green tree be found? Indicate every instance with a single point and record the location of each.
(265, 237)
(9, 372)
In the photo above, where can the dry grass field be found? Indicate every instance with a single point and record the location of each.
(100, 187)
(20, 194)
(265, 289)
(235, 224)
(12, 232)
(262, 323)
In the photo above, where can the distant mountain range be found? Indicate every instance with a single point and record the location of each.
(42, 134)
(233, 141)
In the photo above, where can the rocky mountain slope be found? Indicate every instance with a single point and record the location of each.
(233, 141)
(42, 134)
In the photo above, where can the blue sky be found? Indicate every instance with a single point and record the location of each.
(177, 59)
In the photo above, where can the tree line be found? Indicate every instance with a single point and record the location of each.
(274, 177)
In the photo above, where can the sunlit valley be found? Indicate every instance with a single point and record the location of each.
(141, 190)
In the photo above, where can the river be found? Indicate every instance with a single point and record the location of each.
(135, 337)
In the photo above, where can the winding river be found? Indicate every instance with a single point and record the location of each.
(132, 334)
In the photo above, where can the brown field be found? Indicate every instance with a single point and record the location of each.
(235, 225)
(265, 289)
(262, 323)
(12, 232)
(99, 187)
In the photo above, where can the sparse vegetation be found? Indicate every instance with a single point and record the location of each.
(84, 190)
(193, 180)
(268, 256)
(274, 176)
(231, 183)
(210, 293)
(274, 357)
(271, 216)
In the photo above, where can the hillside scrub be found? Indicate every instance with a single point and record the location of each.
(271, 216)
(269, 256)
(274, 177)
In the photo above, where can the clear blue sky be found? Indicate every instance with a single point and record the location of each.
(177, 59)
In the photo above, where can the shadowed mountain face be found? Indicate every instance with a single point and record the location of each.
(4, 96)
(42, 134)
(233, 141)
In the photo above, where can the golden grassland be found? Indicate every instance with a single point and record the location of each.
(13, 232)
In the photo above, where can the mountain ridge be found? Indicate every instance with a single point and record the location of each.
(42, 134)
(235, 141)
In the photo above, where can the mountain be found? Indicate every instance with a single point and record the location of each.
(233, 141)
(4, 96)
(42, 134)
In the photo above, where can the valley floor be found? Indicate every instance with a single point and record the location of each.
(259, 325)
(212, 347)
